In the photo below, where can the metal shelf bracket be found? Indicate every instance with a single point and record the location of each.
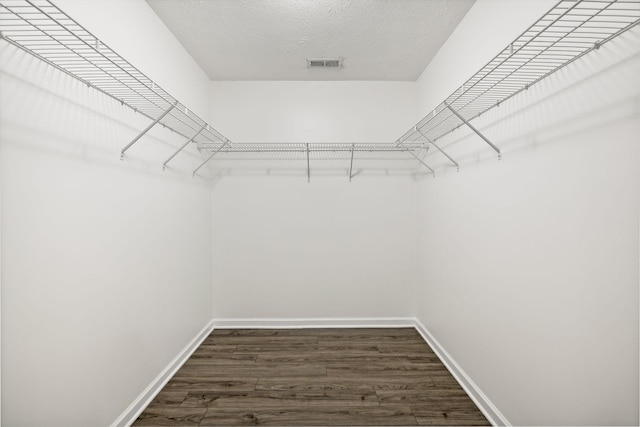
(164, 165)
(147, 129)
(476, 131)
(439, 149)
(423, 163)
(308, 166)
(353, 146)
(210, 157)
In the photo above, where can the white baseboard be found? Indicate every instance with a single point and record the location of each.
(494, 416)
(137, 406)
(364, 322)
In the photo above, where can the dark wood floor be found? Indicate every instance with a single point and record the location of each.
(312, 377)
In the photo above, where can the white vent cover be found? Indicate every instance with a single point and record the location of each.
(324, 62)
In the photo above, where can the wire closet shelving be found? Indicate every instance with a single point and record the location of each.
(571, 29)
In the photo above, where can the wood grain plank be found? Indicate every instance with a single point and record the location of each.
(321, 416)
(370, 382)
(281, 399)
(278, 349)
(168, 398)
(337, 369)
(451, 418)
(251, 371)
(221, 359)
(258, 340)
(203, 383)
(336, 357)
(409, 347)
(444, 380)
(366, 339)
(321, 383)
(211, 347)
(424, 357)
(463, 415)
(170, 416)
(427, 395)
(419, 383)
(369, 334)
(432, 367)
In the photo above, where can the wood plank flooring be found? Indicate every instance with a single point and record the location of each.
(312, 377)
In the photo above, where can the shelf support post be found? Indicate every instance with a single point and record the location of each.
(164, 165)
(476, 131)
(424, 164)
(439, 149)
(308, 165)
(351, 166)
(210, 157)
(141, 134)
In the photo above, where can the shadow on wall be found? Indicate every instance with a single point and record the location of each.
(48, 112)
(601, 88)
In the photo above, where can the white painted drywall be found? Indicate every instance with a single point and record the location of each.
(287, 249)
(319, 111)
(106, 271)
(529, 266)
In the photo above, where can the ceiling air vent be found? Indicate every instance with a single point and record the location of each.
(324, 63)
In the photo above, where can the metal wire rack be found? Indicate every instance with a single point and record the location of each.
(327, 156)
(568, 31)
(43, 30)
(571, 29)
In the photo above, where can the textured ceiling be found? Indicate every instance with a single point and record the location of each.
(271, 39)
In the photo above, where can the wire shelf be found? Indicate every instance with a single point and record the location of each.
(349, 158)
(568, 31)
(571, 29)
(43, 30)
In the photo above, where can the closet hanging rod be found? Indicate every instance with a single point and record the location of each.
(568, 31)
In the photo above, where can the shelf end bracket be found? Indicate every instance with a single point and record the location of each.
(164, 165)
(226, 142)
(308, 165)
(423, 163)
(439, 149)
(353, 146)
(476, 131)
(141, 134)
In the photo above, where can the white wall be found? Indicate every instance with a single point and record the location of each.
(529, 266)
(344, 111)
(287, 249)
(106, 271)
